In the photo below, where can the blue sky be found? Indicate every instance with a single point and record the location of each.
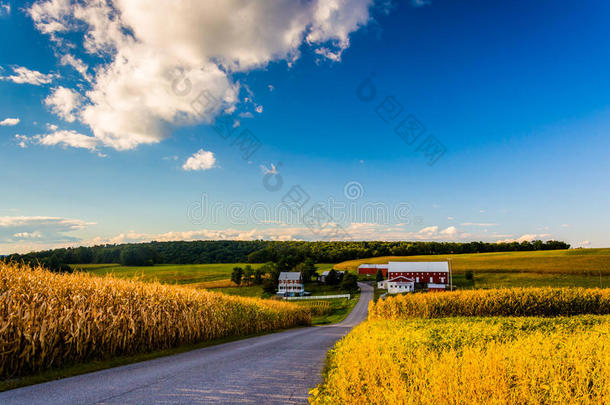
(513, 96)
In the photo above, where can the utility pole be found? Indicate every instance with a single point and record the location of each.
(450, 275)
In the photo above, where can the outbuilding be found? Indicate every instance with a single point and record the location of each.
(371, 269)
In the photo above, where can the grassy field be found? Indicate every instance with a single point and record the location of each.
(197, 274)
(551, 268)
(207, 276)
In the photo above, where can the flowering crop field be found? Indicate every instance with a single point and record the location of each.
(494, 302)
(493, 360)
(50, 320)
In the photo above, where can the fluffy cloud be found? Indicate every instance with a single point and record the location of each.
(64, 103)
(78, 65)
(22, 140)
(68, 138)
(171, 62)
(354, 231)
(23, 75)
(528, 237)
(64, 138)
(9, 122)
(201, 160)
(40, 228)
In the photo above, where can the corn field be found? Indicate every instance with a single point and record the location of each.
(471, 361)
(48, 320)
(496, 302)
(317, 308)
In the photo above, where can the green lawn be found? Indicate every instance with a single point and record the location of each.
(243, 291)
(340, 309)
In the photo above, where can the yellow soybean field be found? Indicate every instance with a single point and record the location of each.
(495, 302)
(49, 320)
(471, 361)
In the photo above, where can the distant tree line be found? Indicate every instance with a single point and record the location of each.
(286, 254)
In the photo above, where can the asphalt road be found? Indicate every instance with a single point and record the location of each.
(278, 368)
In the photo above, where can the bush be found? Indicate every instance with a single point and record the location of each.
(350, 283)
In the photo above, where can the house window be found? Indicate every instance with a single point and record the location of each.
(417, 279)
(431, 279)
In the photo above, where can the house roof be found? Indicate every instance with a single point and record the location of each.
(325, 273)
(401, 279)
(419, 266)
(290, 275)
(374, 266)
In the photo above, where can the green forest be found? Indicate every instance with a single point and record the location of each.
(286, 253)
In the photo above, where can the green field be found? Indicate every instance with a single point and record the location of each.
(209, 276)
(554, 268)
(167, 273)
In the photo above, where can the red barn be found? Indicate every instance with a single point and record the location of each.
(372, 269)
(434, 274)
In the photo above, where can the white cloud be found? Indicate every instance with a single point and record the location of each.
(22, 140)
(585, 243)
(201, 160)
(28, 235)
(78, 65)
(9, 122)
(271, 170)
(41, 228)
(5, 8)
(450, 232)
(68, 138)
(171, 63)
(64, 102)
(421, 3)
(23, 75)
(354, 231)
(259, 109)
(64, 138)
(528, 237)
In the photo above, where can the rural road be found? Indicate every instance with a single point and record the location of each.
(278, 368)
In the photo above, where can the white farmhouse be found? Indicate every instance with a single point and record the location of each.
(400, 284)
(290, 283)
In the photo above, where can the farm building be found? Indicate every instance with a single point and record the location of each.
(322, 277)
(290, 283)
(402, 276)
(399, 284)
(372, 269)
